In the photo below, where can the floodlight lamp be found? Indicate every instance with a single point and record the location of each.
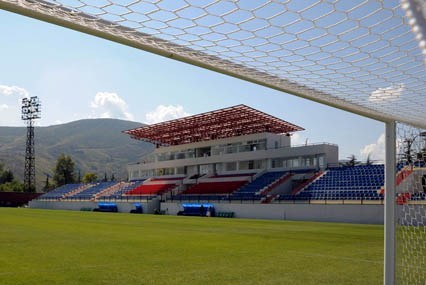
(30, 108)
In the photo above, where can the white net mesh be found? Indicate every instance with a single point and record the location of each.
(411, 200)
(364, 56)
(358, 55)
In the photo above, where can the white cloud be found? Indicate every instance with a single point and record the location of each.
(4, 107)
(13, 90)
(386, 94)
(298, 139)
(375, 150)
(110, 105)
(164, 113)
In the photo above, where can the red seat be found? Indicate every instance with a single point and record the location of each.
(215, 187)
(151, 189)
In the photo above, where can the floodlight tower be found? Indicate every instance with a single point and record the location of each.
(31, 109)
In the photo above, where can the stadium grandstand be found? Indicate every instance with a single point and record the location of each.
(237, 157)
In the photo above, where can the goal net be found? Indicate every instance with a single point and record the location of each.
(411, 205)
(363, 56)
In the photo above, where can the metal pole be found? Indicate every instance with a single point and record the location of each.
(390, 206)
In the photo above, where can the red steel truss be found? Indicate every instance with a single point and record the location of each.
(223, 123)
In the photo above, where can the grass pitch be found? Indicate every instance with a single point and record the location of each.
(65, 247)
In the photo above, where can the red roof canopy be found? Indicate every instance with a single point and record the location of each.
(223, 123)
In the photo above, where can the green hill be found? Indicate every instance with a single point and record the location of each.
(95, 145)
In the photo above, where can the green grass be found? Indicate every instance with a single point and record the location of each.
(65, 247)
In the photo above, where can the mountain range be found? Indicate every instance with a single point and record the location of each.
(95, 145)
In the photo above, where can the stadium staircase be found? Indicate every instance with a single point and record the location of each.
(262, 184)
(116, 190)
(305, 184)
(403, 173)
(123, 187)
(265, 191)
(80, 189)
(89, 193)
(110, 190)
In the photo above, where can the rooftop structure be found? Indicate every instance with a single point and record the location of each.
(227, 141)
(219, 124)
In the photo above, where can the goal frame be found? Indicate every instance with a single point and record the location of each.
(23, 7)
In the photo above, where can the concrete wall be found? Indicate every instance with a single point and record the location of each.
(123, 207)
(361, 214)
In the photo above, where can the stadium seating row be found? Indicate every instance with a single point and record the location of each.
(351, 183)
(215, 187)
(151, 189)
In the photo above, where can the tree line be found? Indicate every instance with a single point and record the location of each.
(63, 173)
(8, 182)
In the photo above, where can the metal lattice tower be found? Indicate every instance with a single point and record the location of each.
(31, 109)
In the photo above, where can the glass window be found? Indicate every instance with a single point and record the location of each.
(252, 164)
(230, 166)
(259, 164)
(164, 171)
(180, 155)
(135, 174)
(296, 162)
(244, 165)
(321, 161)
(180, 170)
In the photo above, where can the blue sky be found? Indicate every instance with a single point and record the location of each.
(77, 76)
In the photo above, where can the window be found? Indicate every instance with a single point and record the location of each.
(164, 171)
(203, 152)
(204, 168)
(309, 161)
(296, 162)
(180, 155)
(135, 174)
(321, 161)
(180, 170)
(252, 164)
(230, 166)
